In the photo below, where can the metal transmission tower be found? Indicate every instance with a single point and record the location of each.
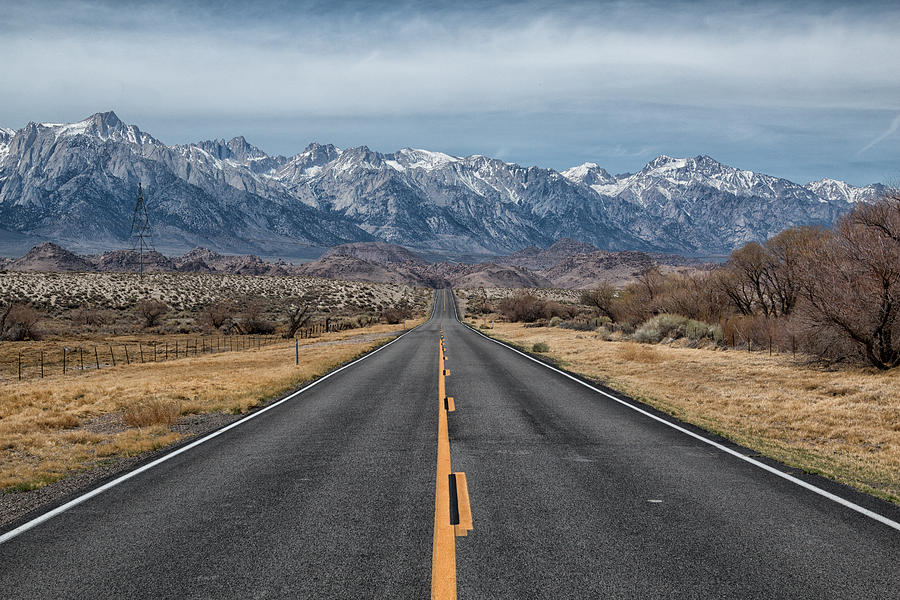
(141, 236)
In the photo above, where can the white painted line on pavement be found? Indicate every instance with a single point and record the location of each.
(813, 488)
(87, 496)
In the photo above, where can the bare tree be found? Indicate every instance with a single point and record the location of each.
(298, 316)
(736, 288)
(253, 321)
(652, 280)
(217, 315)
(850, 281)
(18, 322)
(602, 298)
(151, 311)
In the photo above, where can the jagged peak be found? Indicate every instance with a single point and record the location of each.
(316, 147)
(109, 118)
(666, 161)
(102, 125)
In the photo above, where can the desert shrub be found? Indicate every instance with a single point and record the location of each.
(478, 303)
(540, 347)
(554, 321)
(395, 314)
(252, 321)
(602, 298)
(151, 412)
(18, 322)
(217, 315)
(86, 316)
(698, 330)
(647, 334)
(528, 308)
(674, 327)
(755, 331)
(632, 306)
(151, 311)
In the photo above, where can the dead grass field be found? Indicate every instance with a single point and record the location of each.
(843, 424)
(53, 426)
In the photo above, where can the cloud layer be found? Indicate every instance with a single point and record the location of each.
(719, 74)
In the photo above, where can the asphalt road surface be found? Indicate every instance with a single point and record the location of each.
(332, 494)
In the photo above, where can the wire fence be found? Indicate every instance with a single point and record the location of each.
(52, 358)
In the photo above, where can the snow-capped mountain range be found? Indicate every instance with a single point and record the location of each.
(77, 183)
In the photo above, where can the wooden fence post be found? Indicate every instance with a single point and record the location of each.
(296, 352)
(141, 348)
(112, 355)
(20, 365)
(81, 356)
(97, 357)
(42, 364)
(64, 360)
(127, 359)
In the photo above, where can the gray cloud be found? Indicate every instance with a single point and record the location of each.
(409, 61)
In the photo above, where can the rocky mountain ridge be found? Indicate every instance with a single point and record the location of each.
(76, 183)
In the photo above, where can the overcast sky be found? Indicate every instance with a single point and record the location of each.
(802, 91)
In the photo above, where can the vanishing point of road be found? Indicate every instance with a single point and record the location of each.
(444, 465)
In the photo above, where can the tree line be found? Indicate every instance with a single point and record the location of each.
(836, 292)
(832, 292)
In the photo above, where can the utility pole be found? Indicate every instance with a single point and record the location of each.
(141, 236)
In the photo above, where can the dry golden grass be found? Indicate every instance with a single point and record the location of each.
(844, 424)
(641, 353)
(152, 412)
(50, 427)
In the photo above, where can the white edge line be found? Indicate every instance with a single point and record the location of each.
(110, 484)
(842, 501)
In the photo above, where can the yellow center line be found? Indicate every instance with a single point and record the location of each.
(443, 556)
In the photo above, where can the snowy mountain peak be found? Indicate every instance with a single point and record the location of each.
(234, 194)
(236, 149)
(103, 126)
(414, 158)
(315, 148)
(589, 174)
(666, 162)
(833, 190)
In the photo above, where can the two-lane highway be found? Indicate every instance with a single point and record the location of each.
(336, 493)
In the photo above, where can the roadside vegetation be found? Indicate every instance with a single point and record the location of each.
(833, 294)
(790, 348)
(152, 361)
(50, 427)
(843, 423)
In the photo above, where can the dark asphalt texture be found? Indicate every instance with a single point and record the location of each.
(331, 495)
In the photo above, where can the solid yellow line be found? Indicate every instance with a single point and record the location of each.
(443, 554)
